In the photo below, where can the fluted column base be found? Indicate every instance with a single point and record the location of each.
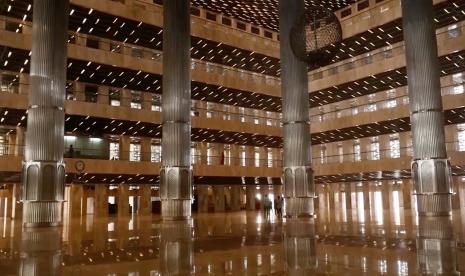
(432, 186)
(42, 213)
(299, 207)
(176, 209)
(299, 191)
(176, 192)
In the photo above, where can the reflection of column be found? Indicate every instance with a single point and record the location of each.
(176, 247)
(300, 247)
(430, 168)
(436, 246)
(250, 197)
(44, 169)
(40, 252)
(176, 171)
(298, 174)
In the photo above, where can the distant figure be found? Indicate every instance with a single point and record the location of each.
(71, 151)
(267, 206)
(222, 158)
(278, 205)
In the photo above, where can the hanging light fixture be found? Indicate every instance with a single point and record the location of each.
(313, 34)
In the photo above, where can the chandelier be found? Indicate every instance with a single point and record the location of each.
(321, 29)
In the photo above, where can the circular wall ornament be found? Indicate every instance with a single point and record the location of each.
(79, 166)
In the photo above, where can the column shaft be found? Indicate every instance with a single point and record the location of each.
(44, 169)
(298, 175)
(176, 171)
(430, 168)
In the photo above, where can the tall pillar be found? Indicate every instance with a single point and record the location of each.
(123, 200)
(431, 172)
(145, 204)
(298, 175)
(235, 198)
(250, 197)
(124, 147)
(218, 198)
(176, 171)
(101, 200)
(430, 168)
(43, 167)
(19, 141)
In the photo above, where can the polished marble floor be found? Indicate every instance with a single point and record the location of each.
(242, 243)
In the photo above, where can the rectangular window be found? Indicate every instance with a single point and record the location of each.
(243, 160)
(323, 155)
(270, 158)
(226, 21)
(374, 148)
(454, 31)
(134, 152)
(114, 150)
(340, 152)
(391, 104)
(357, 153)
(394, 148)
(461, 137)
(155, 153)
(3, 146)
(256, 121)
(257, 158)
(193, 155)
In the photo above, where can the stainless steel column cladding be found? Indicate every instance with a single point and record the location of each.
(176, 171)
(43, 168)
(431, 171)
(298, 175)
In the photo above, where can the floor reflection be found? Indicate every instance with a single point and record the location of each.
(242, 243)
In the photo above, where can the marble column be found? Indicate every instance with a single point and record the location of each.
(43, 167)
(430, 167)
(218, 198)
(250, 197)
(76, 201)
(235, 198)
(145, 196)
(202, 198)
(123, 200)
(19, 141)
(176, 171)
(298, 175)
(124, 147)
(145, 149)
(17, 211)
(101, 200)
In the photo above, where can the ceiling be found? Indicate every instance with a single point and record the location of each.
(262, 13)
